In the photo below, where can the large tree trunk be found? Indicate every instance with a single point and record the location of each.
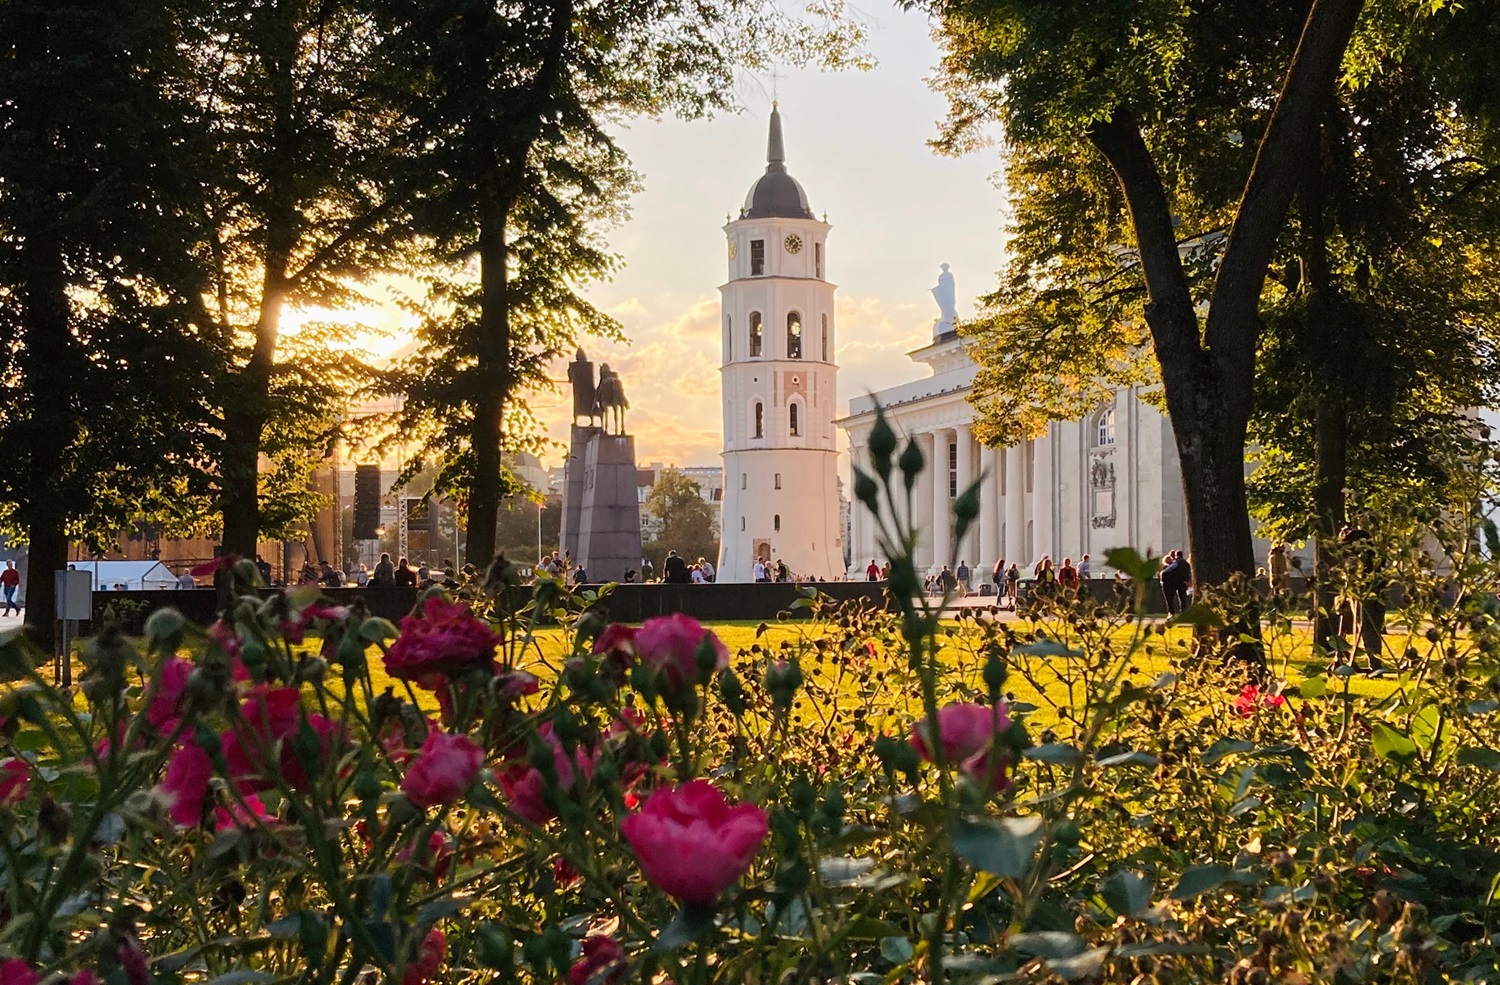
(1332, 437)
(494, 374)
(46, 553)
(1209, 378)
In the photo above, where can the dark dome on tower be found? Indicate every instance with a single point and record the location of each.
(776, 195)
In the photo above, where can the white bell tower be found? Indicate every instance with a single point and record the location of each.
(781, 498)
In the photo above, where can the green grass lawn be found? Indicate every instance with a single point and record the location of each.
(840, 682)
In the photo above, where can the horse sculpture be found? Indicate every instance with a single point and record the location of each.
(609, 395)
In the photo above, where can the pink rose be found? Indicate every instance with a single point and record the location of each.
(526, 791)
(443, 640)
(185, 785)
(84, 977)
(133, 960)
(967, 732)
(965, 729)
(1251, 699)
(428, 961)
(247, 815)
(525, 786)
(170, 690)
(18, 972)
(272, 716)
(602, 962)
(443, 770)
(669, 644)
(15, 780)
(617, 646)
(691, 844)
(436, 857)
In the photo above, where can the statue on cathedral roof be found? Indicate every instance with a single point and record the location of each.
(945, 296)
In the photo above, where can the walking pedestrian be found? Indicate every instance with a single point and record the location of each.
(10, 581)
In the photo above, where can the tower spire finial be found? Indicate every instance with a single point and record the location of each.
(775, 146)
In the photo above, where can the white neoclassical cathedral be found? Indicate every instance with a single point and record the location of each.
(781, 486)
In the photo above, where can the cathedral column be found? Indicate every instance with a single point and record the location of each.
(921, 504)
(989, 509)
(1045, 484)
(942, 502)
(858, 519)
(967, 547)
(1015, 505)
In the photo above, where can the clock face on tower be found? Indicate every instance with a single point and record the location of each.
(793, 243)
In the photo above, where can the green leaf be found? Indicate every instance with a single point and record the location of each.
(1225, 747)
(241, 976)
(1198, 615)
(1487, 759)
(1127, 893)
(1424, 726)
(688, 924)
(1390, 744)
(1003, 847)
(1130, 563)
(1135, 758)
(869, 929)
(1200, 879)
(1049, 945)
(1054, 753)
(896, 950)
(1085, 965)
(1314, 687)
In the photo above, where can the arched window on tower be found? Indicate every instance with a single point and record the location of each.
(818, 260)
(825, 338)
(728, 338)
(1104, 427)
(755, 333)
(793, 335)
(776, 522)
(794, 420)
(760, 420)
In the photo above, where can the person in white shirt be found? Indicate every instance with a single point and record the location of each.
(1083, 568)
(707, 568)
(697, 574)
(760, 570)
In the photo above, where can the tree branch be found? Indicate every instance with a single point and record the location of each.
(1286, 148)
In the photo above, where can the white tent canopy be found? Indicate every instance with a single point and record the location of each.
(134, 575)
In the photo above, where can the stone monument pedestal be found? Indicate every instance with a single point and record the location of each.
(601, 524)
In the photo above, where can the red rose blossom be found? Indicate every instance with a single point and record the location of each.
(601, 963)
(443, 640)
(15, 780)
(443, 770)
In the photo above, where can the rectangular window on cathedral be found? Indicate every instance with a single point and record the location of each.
(757, 257)
(818, 260)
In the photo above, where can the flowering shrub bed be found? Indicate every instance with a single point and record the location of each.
(230, 804)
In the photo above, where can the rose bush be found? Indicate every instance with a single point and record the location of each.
(535, 794)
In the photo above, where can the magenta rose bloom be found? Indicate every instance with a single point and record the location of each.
(443, 640)
(18, 972)
(15, 780)
(443, 770)
(691, 843)
(166, 705)
(965, 729)
(273, 717)
(601, 963)
(185, 785)
(669, 644)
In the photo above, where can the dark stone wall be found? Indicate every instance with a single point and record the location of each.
(626, 603)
